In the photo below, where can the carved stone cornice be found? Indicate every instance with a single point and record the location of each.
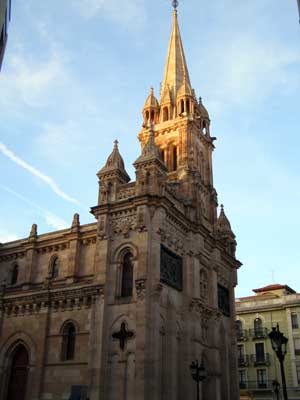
(55, 299)
(140, 287)
(199, 307)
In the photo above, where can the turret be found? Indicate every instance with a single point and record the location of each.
(150, 169)
(224, 232)
(111, 176)
(150, 109)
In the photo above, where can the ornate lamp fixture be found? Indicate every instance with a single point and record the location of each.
(279, 345)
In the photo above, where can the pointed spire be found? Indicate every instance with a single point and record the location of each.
(75, 223)
(114, 163)
(33, 232)
(150, 151)
(176, 71)
(223, 225)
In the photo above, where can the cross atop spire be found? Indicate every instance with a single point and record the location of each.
(176, 72)
(175, 4)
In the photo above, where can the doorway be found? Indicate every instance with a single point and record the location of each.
(18, 374)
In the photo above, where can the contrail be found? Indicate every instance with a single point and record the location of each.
(49, 181)
(51, 219)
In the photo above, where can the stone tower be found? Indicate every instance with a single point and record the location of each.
(166, 261)
(120, 308)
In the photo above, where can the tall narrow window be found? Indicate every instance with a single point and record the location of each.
(188, 106)
(127, 276)
(165, 114)
(174, 158)
(163, 155)
(259, 352)
(239, 329)
(68, 342)
(152, 116)
(181, 106)
(54, 267)
(294, 318)
(258, 330)
(261, 375)
(14, 275)
(203, 284)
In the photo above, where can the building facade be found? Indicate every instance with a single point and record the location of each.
(118, 309)
(5, 6)
(257, 362)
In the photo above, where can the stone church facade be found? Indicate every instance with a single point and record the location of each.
(118, 309)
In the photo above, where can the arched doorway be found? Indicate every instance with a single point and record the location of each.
(18, 374)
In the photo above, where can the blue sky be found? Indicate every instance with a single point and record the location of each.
(75, 77)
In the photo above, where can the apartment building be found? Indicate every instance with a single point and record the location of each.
(257, 362)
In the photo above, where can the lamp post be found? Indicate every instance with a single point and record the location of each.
(276, 387)
(279, 345)
(199, 373)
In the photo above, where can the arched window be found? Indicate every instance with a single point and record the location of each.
(54, 267)
(165, 114)
(257, 327)
(152, 116)
(147, 116)
(14, 274)
(181, 106)
(127, 276)
(68, 342)
(18, 374)
(188, 106)
(174, 166)
(239, 328)
(203, 284)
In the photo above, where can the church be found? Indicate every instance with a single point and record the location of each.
(120, 308)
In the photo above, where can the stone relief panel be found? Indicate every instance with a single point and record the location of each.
(170, 268)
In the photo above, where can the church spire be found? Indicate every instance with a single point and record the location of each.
(176, 72)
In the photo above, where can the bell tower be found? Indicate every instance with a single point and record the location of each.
(182, 132)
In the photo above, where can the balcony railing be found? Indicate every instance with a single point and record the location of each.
(242, 335)
(260, 333)
(260, 359)
(263, 385)
(243, 360)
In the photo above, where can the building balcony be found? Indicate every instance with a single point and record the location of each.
(255, 385)
(261, 333)
(242, 335)
(260, 359)
(243, 361)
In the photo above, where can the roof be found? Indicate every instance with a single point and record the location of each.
(275, 286)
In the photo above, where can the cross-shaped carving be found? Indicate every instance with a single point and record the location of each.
(123, 335)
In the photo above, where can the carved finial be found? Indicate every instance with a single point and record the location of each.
(76, 221)
(152, 91)
(175, 4)
(200, 100)
(33, 231)
(116, 144)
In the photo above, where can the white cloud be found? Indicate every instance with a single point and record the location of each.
(247, 69)
(51, 219)
(122, 12)
(31, 81)
(69, 136)
(46, 179)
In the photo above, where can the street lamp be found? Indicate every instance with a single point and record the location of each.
(279, 345)
(199, 373)
(276, 387)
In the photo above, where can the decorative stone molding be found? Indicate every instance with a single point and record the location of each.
(57, 300)
(199, 307)
(140, 287)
